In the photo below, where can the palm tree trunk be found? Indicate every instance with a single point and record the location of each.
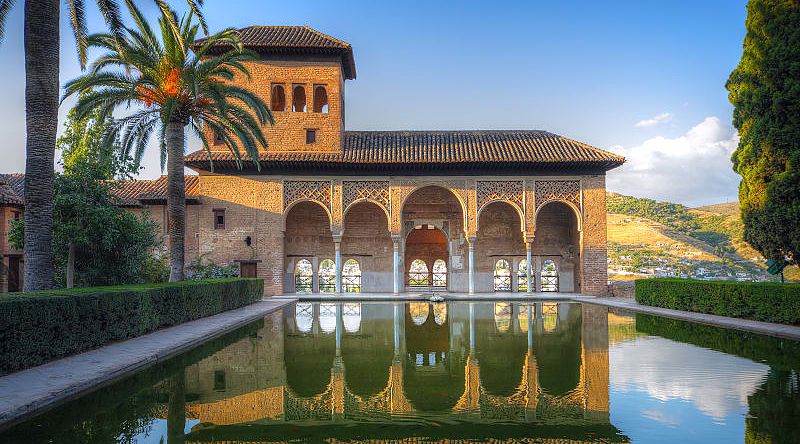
(41, 106)
(176, 199)
(71, 265)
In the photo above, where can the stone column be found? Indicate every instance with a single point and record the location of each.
(529, 271)
(396, 267)
(337, 243)
(471, 242)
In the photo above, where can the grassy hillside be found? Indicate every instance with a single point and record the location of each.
(649, 238)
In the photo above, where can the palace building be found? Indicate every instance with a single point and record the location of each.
(332, 210)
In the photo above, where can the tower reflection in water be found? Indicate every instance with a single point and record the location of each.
(324, 366)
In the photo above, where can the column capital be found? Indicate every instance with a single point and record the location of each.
(337, 239)
(528, 238)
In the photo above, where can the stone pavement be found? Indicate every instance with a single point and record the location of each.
(43, 387)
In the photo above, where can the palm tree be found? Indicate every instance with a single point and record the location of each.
(41, 107)
(172, 89)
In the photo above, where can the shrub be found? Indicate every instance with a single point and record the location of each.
(37, 327)
(760, 301)
(199, 270)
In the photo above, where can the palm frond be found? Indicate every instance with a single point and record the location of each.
(5, 7)
(77, 16)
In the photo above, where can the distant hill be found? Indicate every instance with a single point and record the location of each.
(649, 238)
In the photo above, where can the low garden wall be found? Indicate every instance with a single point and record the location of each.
(760, 301)
(41, 326)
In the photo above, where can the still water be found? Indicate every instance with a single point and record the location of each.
(455, 371)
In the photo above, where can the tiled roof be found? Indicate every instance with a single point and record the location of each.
(12, 189)
(437, 149)
(134, 192)
(295, 40)
(129, 192)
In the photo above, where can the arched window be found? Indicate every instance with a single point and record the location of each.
(327, 276)
(304, 316)
(351, 317)
(278, 98)
(320, 99)
(299, 99)
(351, 276)
(549, 276)
(502, 276)
(419, 312)
(502, 316)
(440, 273)
(303, 276)
(327, 317)
(522, 275)
(418, 274)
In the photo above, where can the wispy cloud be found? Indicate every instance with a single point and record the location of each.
(693, 169)
(661, 118)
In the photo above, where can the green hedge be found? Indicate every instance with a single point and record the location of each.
(761, 301)
(41, 326)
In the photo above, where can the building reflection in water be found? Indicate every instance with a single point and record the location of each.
(473, 362)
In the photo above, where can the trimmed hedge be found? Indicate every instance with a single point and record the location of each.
(760, 301)
(37, 327)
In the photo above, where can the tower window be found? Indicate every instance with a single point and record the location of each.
(217, 139)
(219, 218)
(320, 99)
(278, 99)
(311, 136)
(299, 99)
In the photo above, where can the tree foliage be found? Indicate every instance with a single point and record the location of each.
(112, 246)
(765, 92)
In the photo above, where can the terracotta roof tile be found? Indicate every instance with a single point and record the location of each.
(496, 148)
(295, 40)
(129, 192)
(12, 189)
(134, 192)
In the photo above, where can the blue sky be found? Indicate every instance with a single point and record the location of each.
(643, 79)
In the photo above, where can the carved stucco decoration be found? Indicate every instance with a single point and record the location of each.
(500, 190)
(562, 190)
(316, 190)
(374, 190)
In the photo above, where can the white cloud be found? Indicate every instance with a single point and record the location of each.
(661, 118)
(693, 169)
(716, 383)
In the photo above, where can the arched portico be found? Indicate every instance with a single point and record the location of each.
(366, 239)
(307, 237)
(557, 244)
(499, 239)
(433, 227)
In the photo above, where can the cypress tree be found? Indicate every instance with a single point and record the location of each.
(765, 92)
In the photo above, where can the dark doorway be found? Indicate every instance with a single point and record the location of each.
(14, 283)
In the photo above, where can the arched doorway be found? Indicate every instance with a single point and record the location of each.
(433, 229)
(556, 247)
(499, 238)
(307, 237)
(425, 246)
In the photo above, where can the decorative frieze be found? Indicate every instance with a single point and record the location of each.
(374, 190)
(563, 190)
(503, 190)
(316, 190)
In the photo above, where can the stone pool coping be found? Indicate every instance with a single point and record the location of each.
(37, 389)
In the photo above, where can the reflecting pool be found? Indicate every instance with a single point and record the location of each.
(454, 371)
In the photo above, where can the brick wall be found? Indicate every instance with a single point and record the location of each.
(593, 254)
(289, 131)
(366, 239)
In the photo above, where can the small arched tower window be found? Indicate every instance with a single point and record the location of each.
(299, 99)
(278, 99)
(320, 99)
